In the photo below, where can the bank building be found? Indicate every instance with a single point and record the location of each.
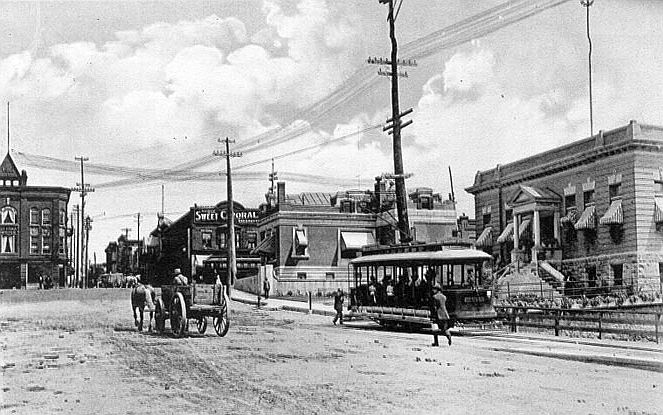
(590, 212)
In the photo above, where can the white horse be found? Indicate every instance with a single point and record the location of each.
(143, 297)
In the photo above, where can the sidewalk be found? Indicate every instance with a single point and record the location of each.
(282, 304)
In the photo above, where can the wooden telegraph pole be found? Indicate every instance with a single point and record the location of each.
(232, 261)
(395, 120)
(84, 189)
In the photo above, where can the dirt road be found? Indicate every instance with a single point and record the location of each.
(75, 351)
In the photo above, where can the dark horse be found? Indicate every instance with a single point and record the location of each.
(143, 297)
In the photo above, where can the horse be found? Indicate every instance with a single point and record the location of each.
(143, 297)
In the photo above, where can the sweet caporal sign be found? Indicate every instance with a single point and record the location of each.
(209, 215)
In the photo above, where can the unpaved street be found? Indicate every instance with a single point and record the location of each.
(81, 354)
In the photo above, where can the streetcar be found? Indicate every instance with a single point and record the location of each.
(393, 285)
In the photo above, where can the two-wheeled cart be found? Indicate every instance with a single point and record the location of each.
(181, 303)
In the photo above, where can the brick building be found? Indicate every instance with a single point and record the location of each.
(33, 228)
(196, 243)
(308, 239)
(593, 209)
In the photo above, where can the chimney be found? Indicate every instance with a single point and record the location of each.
(280, 193)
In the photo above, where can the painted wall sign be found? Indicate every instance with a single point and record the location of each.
(214, 216)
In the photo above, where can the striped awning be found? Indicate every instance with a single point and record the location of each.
(614, 215)
(658, 209)
(571, 216)
(523, 226)
(486, 238)
(587, 219)
(506, 235)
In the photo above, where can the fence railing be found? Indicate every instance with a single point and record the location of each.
(633, 323)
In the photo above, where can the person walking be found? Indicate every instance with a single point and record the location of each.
(439, 315)
(338, 306)
(266, 287)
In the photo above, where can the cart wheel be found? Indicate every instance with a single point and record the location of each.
(178, 320)
(202, 324)
(160, 316)
(221, 322)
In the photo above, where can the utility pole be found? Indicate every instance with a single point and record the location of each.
(587, 4)
(273, 177)
(126, 242)
(396, 126)
(138, 251)
(88, 227)
(232, 262)
(84, 189)
(75, 242)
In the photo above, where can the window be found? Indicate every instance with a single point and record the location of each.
(7, 244)
(615, 191)
(34, 216)
(62, 240)
(46, 217)
(8, 215)
(591, 276)
(569, 202)
(251, 240)
(329, 276)
(426, 202)
(45, 245)
(617, 275)
(301, 275)
(347, 206)
(508, 215)
(486, 219)
(63, 217)
(206, 237)
(300, 243)
(34, 240)
(221, 238)
(588, 198)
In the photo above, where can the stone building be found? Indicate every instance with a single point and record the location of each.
(592, 209)
(33, 229)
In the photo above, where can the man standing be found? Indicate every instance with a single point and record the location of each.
(338, 306)
(439, 315)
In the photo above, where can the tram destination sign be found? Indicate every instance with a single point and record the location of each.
(220, 216)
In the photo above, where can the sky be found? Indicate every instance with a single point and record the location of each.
(145, 89)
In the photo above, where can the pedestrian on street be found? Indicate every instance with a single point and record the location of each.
(338, 306)
(439, 315)
(266, 287)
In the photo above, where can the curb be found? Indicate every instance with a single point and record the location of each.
(265, 305)
(633, 363)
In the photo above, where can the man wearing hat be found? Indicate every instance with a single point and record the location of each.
(179, 279)
(439, 314)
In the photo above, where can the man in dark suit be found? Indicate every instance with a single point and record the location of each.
(439, 315)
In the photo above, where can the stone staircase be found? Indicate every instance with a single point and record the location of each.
(549, 274)
(528, 280)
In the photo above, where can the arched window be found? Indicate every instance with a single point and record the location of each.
(46, 217)
(8, 215)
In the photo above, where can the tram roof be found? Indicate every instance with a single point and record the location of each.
(447, 255)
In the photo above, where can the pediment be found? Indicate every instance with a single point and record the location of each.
(8, 169)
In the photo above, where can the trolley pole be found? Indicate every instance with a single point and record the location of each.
(232, 261)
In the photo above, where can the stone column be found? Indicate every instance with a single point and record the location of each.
(536, 227)
(556, 227)
(516, 228)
